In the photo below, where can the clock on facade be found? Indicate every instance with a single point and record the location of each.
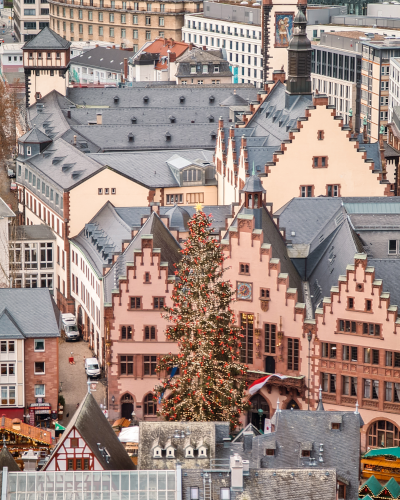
(243, 291)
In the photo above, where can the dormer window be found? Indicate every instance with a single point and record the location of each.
(157, 452)
(216, 69)
(202, 452)
(269, 452)
(305, 453)
(170, 453)
(28, 151)
(335, 426)
(189, 452)
(192, 175)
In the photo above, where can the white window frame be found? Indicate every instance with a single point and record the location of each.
(35, 345)
(44, 368)
(44, 391)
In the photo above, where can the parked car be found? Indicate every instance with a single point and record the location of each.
(10, 172)
(70, 327)
(92, 367)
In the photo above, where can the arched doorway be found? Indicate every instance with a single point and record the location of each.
(292, 405)
(127, 406)
(257, 417)
(270, 364)
(383, 434)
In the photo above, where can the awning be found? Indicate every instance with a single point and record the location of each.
(59, 427)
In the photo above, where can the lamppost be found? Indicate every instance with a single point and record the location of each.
(309, 337)
(260, 414)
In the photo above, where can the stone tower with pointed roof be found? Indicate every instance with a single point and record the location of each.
(46, 61)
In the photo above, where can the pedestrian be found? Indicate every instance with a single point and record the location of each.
(77, 405)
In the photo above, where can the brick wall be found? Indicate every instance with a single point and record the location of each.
(50, 378)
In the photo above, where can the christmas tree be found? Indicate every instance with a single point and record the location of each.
(210, 380)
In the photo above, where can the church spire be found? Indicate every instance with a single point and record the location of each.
(299, 55)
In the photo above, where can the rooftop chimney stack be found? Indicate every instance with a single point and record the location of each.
(236, 467)
(99, 119)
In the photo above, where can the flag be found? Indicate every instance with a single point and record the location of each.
(258, 384)
(267, 426)
(173, 373)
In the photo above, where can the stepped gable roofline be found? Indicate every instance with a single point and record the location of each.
(34, 136)
(94, 428)
(7, 460)
(47, 39)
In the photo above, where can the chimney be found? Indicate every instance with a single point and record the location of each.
(248, 440)
(155, 207)
(99, 119)
(236, 467)
(220, 122)
(113, 46)
(97, 44)
(125, 68)
(190, 46)
(74, 140)
(204, 47)
(279, 75)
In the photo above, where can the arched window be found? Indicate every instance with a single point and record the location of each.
(259, 411)
(292, 405)
(150, 406)
(383, 434)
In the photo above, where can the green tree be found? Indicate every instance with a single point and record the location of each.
(210, 383)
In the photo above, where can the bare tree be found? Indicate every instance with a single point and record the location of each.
(9, 116)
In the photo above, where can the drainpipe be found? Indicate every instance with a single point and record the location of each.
(178, 481)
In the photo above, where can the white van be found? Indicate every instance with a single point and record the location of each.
(92, 367)
(69, 326)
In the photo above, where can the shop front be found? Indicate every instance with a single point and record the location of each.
(41, 415)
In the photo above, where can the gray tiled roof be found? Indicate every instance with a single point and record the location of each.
(7, 460)
(35, 232)
(9, 327)
(34, 136)
(388, 270)
(94, 428)
(103, 58)
(32, 309)
(102, 237)
(47, 39)
(5, 210)
(149, 168)
(160, 96)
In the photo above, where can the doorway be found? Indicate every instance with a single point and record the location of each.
(256, 417)
(127, 406)
(270, 364)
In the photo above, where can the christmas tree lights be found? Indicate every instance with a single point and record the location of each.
(210, 382)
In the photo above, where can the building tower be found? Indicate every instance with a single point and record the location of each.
(299, 59)
(46, 61)
(277, 20)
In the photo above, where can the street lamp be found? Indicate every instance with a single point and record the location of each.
(309, 337)
(260, 414)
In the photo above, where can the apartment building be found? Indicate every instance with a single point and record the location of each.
(122, 22)
(234, 28)
(336, 72)
(30, 17)
(394, 86)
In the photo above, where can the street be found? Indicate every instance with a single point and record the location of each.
(73, 380)
(5, 33)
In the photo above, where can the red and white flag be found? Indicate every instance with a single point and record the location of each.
(258, 384)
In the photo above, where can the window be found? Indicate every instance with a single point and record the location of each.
(247, 326)
(368, 305)
(306, 191)
(150, 405)
(111, 31)
(149, 365)
(347, 326)
(135, 34)
(39, 367)
(244, 269)
(7, 369)
(100, 17)
(135, 20)
(148, 20)
(160, 21)
(74, 443)
(293, 354)
(39, 345)
(270, 338)
(126, 333)
(194, 493)
(328, 350)
(320, 135)
(174, 198)
(39, 390)
(123, 18)
(383, 434)
(371, 329)
(328, 382)
(46, 255)
(28, 150)
(392, 359)
(46, 281)
(147, 278)
(148, 35)
(332, 190)
(136, 302)
(320, 161)
(264, 293)
(392, 247)
(100, 30)
(371, 389)
(150, 333)
(349, 386)
(350, 303)
(8, 395)
(126, 365)
(390, 394)
(269, 452)
(159, 303)
(111, 17)
(113, 190)
(31, 256)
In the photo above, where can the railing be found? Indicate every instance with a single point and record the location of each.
(219, 463)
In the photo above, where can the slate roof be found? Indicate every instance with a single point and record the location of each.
(102, 237)
(341, 448)
(5, 210)
(162, 239)
(36, 232)
(149, 168)
(34, 136)
(7, 460)
(234, 100)
(32, 310)
(47, 39)
(94, 428)
(388, 270)
(102, 58)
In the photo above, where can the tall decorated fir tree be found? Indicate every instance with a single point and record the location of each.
(210, 383)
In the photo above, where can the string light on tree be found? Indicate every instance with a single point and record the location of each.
(210, 383)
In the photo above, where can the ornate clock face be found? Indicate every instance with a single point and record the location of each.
(244, 291)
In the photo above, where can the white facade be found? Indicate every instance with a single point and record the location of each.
(30, 16)
(84, 74)
(242, 43)
(87, 291)
(11, 58)
(12, 385)
(394, 86)
(314, 30)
